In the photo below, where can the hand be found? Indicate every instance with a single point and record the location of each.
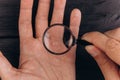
(106, 51)
(35, 62)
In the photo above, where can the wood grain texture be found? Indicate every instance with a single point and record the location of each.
(9, 42)
(9, 12)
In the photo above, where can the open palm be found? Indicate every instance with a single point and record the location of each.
(35, 62)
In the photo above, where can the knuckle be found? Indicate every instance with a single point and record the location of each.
(104, 62)
(112, 45)
(117, 31)
(94, 36)
(42, 17)
(44, 1)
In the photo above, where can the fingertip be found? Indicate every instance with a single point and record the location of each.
(76, 13)
(92, 50)
(85, 36)
(90, 35)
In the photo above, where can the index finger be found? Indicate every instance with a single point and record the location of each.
(96, 38)
(25, 21)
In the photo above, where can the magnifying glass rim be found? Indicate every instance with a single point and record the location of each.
(55, 53)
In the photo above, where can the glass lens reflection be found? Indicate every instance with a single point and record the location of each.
(58, 39)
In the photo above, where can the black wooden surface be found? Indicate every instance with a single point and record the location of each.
(100, 15)
(9, 43)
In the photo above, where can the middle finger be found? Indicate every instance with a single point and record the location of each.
(58, 12)
(42, 17)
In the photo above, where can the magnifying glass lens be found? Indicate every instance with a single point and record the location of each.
(58, 39)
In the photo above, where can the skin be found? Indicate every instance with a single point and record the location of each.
(38, 64)
(106, 51)
(35, 62)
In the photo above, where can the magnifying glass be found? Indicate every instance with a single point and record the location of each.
(58, 39)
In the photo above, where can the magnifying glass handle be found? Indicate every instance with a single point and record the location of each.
(83, 42)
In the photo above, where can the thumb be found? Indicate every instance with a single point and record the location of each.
(107, 66)
(5, 67)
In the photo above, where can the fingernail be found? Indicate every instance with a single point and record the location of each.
(91, 50)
